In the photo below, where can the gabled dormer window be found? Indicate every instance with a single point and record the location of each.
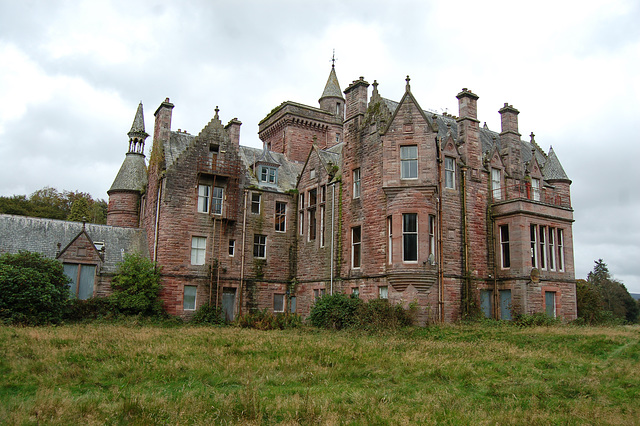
(268, 174)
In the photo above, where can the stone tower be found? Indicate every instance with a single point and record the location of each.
(131, 181)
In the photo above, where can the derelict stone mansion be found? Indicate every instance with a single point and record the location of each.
(361, 195)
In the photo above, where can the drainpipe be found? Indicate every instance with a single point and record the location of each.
(333, 210)
(244, 240)
(157, 225)
(213, 253)
(465, 239)
(439, 231)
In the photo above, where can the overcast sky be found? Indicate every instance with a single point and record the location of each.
(72, 74)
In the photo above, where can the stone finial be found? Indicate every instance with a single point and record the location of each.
(408, 79)
(217, 110)
(533, 140)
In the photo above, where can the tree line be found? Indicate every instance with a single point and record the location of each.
(603, 299)
(53, 204)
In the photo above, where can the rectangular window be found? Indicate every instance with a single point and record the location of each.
(560, 250)
(432, 239)
(312, 224)
(409, 162)
(198, 250)
(356, 183)
(301, 221)
(323, 193)
(356, 247)
(278, 303)
(301, 218)
(505, 252)
(216, 200)
(312, 174)
(383, 292)
(534, 245)
(82, 279)
(255, 202)
(268, 174)
(189, 297)
(535, 189)
(355, 292)
(410, 237)
(338, 134)
(281, 216)
(449, 172)
(232, 248)
(496, 186)
(543, 247)
(203, 198)
(552, 249)
(259, 246)
(322, 226)
(390, 239)
(292, 304)
(550, 303)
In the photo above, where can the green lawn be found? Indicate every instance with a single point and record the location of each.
(462, 374)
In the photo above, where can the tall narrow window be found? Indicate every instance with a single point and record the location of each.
(204, 192)
(533, 231)
(356, 247)
(281, 216)
(543, 247)
(383, 292)
(410, 237)
(356, 183)
(505, 252)
(390, 240)
(216, 200)
(278, 303)
(409, 162)
(301, 216)
(259, 246)
(322, 225)
(535, 189)
(432, 238)
(232, 248)
(449, 172)
(189, 297)
(560, 250)
(255, 202)
(550, 303)
(312, 223)
(552, 249)
(496, 186)
(198, 250)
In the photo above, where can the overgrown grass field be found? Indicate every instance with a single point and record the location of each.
(462, 374)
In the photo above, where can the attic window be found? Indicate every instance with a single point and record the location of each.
(99, 245)
(214, 148)
(268, 174)
(312, 174)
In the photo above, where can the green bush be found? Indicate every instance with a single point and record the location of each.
(33, 289)
(379, 314)
(208, 314)
(90, 309)
(267, 320)
(136, 287)
(539, 319)
(335, 311)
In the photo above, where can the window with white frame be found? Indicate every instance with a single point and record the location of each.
(356, 247)
(198, 250)
(204, 192)
(189, 297)
(409, 162)
(552, 249)
(410, 237)
(259, 246)
(383, 292)
(356, 183)
(278, 302)
(268, 174)
(535, 189)
(560, 243)
(322, 225)
(543, 246)
(533, 231)
(281, 216)
(505, 252)
(232, 248)
(255, 202)
(496, 184)
(449, 172)
(216, 200)
(432, 238)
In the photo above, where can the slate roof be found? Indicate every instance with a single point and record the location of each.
(552, 169)
(332, 88)
(132, 175)
(138, 123)
(43, 235)
(288, 171)
(175, 146)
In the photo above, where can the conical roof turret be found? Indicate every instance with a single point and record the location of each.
(332, 88)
